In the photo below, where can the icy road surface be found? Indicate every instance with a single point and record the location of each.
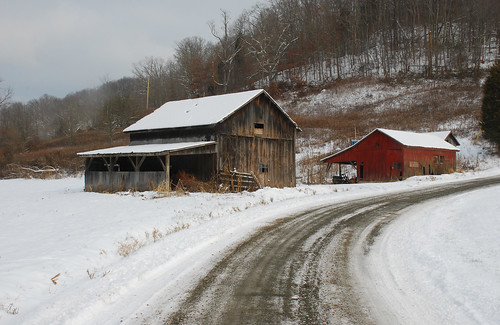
(300, 269)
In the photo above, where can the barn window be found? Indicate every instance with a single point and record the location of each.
(441, 159)
(396, 165)
(263, 168)
(258, 129)
(436, 159)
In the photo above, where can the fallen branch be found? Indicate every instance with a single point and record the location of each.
(45, 169)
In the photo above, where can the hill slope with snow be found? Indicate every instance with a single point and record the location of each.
(333, 116)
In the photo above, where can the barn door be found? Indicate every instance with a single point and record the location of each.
(397, 171)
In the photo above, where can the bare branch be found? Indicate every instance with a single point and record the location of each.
(5, 96)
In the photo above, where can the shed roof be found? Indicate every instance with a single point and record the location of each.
(446, 135)
(410, 139)
(198, 111)
(146, 149)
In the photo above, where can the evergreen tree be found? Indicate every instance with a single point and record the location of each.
(491, 106)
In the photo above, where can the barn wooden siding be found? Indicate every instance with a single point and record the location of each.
(121, 181)
(428, 162)
(118, 173)
(260, 139)
(185, 134)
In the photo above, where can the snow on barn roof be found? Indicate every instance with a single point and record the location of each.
(423, 140)
(441, 134)
(148, 149)
(410, 139)
(447, 136)
(197, 111)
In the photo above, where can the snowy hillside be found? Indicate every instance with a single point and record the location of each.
(332, 117)
(70, 257)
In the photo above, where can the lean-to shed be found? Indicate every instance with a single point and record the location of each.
(385, 155)
(246, 132)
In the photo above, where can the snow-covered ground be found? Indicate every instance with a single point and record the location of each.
(70, 257)
(439, 263)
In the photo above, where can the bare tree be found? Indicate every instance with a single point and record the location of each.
(156, 70)
(226, 50)
(268, 40)
(5, 96)
(193, 58)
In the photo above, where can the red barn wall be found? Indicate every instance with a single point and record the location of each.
(375, 156)
(422, 161)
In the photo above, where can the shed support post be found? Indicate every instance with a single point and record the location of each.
(167, 169)
(134, 164)
(106, 164)
(110, 163)
(160, 159)
(137, 163)
(88, 163)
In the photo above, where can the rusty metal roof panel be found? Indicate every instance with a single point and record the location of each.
(146, 149)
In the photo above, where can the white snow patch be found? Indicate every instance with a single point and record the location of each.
(439, 263)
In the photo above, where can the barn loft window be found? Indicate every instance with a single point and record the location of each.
(258, 129)
(263, 168)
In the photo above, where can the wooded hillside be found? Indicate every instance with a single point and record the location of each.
(302, 45)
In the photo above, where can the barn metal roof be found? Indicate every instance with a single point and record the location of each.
(198, 111)
(423, 140)
(146, 149)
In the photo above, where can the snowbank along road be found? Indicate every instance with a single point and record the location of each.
(300, 269)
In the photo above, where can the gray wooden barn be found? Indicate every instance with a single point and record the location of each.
(244, 133)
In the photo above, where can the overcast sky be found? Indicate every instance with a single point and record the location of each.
(58, 47)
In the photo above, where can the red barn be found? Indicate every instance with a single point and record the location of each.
(385, 155)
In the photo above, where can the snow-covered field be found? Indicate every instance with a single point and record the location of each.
(439, 263)
(70, 257)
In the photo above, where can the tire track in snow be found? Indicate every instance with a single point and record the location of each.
(300, 269)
